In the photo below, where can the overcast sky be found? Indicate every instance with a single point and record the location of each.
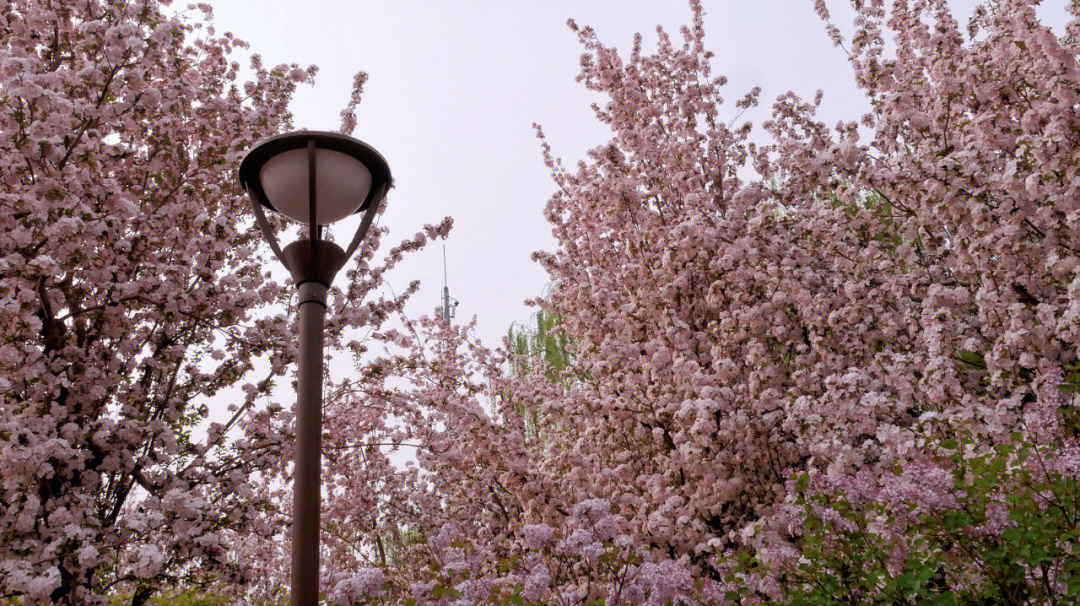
(454, 89)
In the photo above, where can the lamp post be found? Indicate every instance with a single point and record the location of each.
(315, 178)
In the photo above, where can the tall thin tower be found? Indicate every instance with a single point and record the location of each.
(449, 304)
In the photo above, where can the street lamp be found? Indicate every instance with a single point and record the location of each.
(314, 178)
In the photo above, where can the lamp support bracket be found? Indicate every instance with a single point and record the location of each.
(264, 226)
(369, 216)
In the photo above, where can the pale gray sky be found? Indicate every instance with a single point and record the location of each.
(455, 86)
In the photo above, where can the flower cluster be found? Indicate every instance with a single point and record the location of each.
(367, 584)
(593, 560)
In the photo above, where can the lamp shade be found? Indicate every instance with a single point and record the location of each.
(349, 175)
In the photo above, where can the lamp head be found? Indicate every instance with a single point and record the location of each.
(350, 175)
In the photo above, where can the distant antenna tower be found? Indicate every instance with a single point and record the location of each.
(449, 304)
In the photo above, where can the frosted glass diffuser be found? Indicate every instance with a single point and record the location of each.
(342, 184)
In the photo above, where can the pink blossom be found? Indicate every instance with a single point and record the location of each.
(148, 561)
(365, 584)
(538, 536)
(537, 584)
(1067, 462)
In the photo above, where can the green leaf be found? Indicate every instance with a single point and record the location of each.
(803, 481)
(972, 359)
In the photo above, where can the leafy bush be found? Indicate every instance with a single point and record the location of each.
(966, 524)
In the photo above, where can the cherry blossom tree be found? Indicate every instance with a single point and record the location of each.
(135, 295)
(962, 272)
(634, 425)
(835, 304)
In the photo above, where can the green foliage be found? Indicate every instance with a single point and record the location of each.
(1071, 383)
(188, 597)
(184, 597)
(1005, 533)
(541, 341)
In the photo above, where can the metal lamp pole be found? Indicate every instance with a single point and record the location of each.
(343, 176)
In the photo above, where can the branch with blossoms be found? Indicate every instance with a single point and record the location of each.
(588, 559)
